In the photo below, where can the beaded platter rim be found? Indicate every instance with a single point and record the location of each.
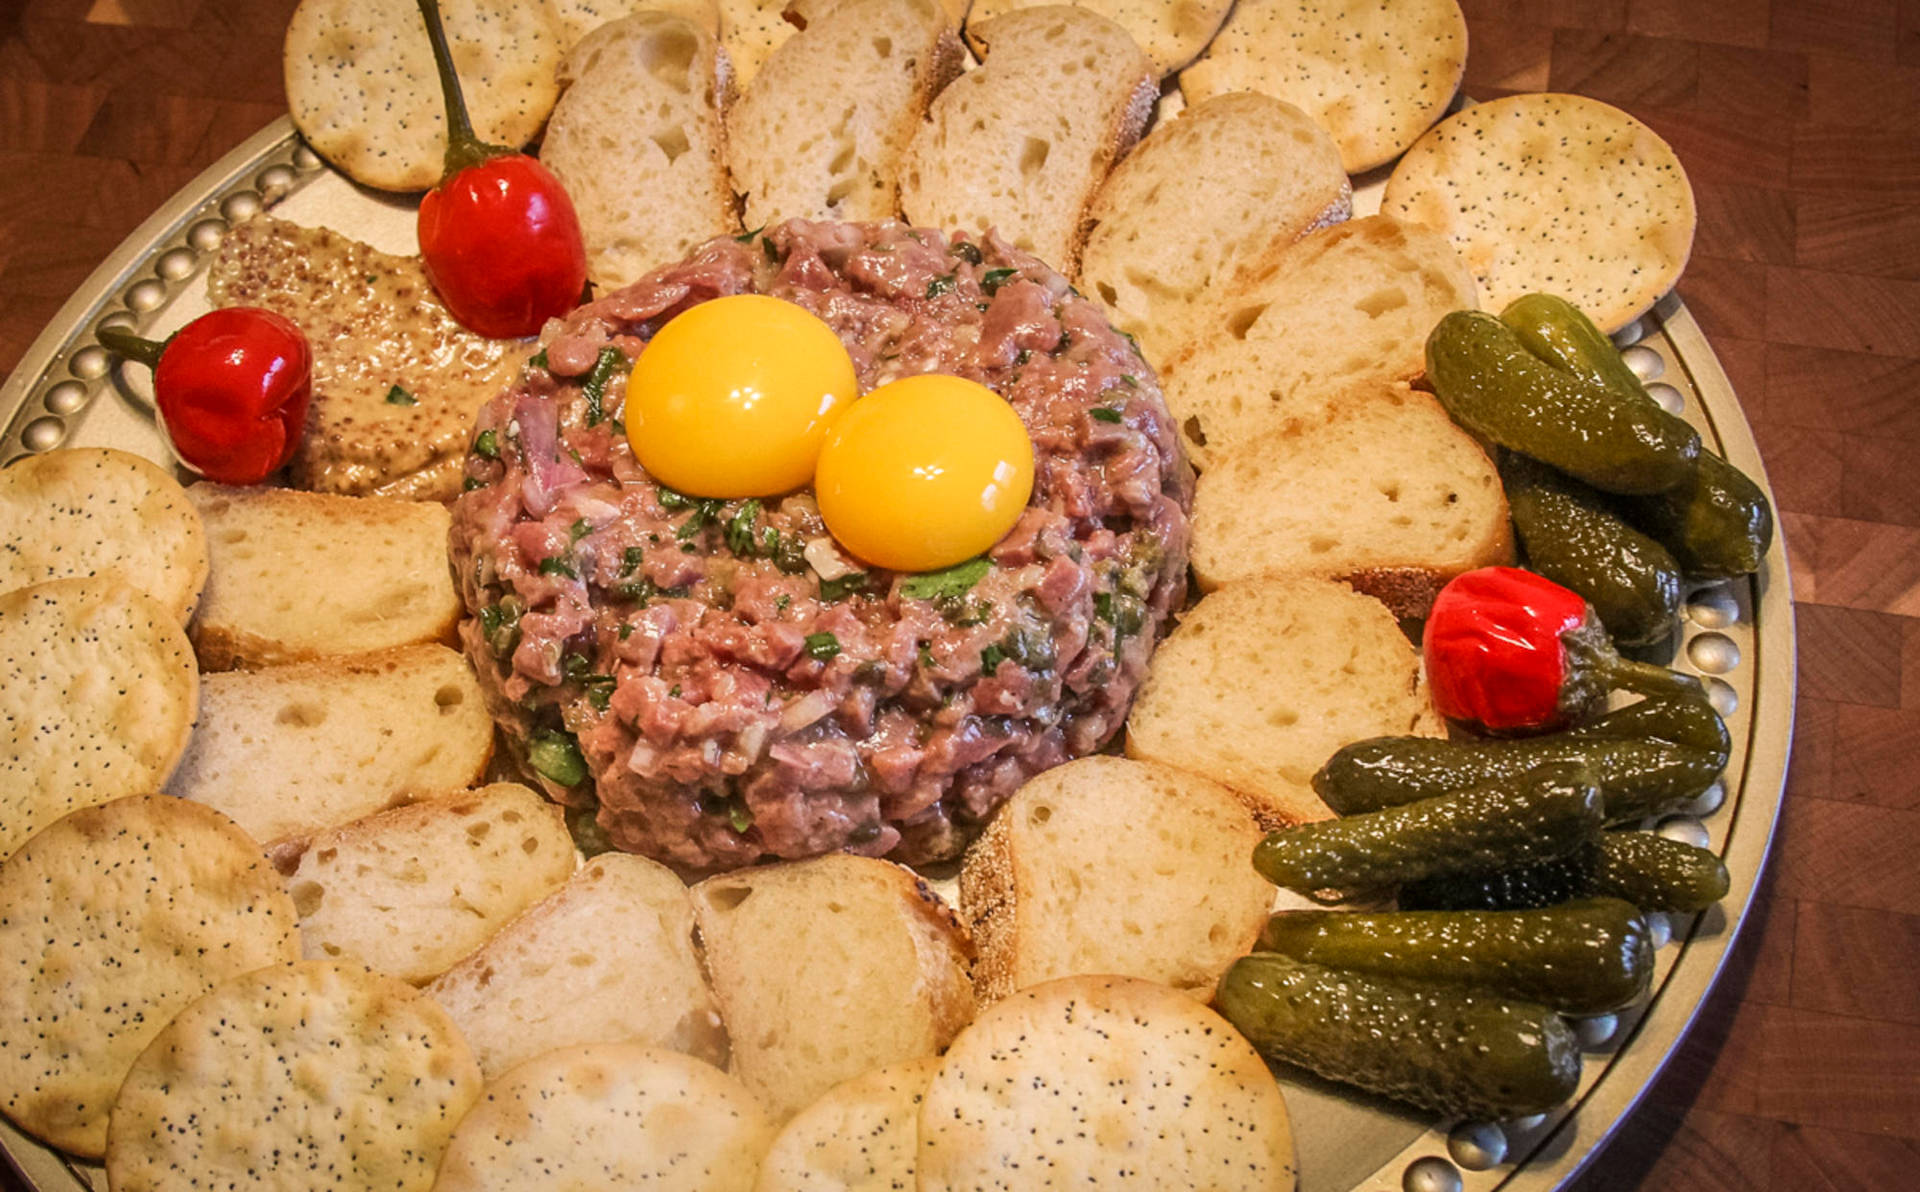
(1738, 636)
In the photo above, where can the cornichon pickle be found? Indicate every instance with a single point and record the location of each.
(1573, 536)
(1585, 957)
(1684, 720)
(1494, 387)
(1717, 523)
(1441, 1047)
(1547, 813)
(1638, 778)
(1648, 870)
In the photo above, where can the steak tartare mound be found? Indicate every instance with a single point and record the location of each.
(718, 678)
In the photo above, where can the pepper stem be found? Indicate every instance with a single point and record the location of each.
(137, 348)
(464, 148)
(1644, 678)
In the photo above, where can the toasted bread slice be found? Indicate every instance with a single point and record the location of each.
(297, 576)
(1199, 198)
(94, 511)
(1106, 865)
(1388, 495)
(1374, 75)
(1265, 678)
(1285, 338)
(829, 967)
(1022, 143)
(639, 139)
(1554, 193)
(292, 749)
(608, 957)
(1171, 34)
(396, 379)
(861, 1135)
(410, 890)
(822, 131)
(1104, 1082)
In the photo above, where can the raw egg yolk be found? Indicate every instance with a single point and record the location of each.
(924, 472)
(733, 397)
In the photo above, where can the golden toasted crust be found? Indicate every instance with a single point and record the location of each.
(111, 920)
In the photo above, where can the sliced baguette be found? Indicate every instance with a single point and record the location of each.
(608, 957)
(829, 967)
(1265, 678)
(1106, 865)
(410, 890)
(859, 1136)
(289, 750)
(639, 139)
(1200, 197)
(1172, 34)
(1022, 143)
(1282, 340)
(295, 576)
(1374, 75)
(1388, 495)
(822, 131)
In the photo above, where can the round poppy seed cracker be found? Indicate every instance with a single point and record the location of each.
(94, 511)
(861, 1135)
(1374, 75)
(362, 88)
(1558, 194)
(1093, 1082)
(610, 1115)
(298, 1077)
(97, 696)
(111, 920)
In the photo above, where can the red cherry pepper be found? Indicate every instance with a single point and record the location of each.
(499, 237)
(232, 388)
(1508, 651)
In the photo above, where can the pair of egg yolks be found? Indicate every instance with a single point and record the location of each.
(751, 396)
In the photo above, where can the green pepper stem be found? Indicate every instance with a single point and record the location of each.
(133, 347)
(464, 148)
(1644, 678)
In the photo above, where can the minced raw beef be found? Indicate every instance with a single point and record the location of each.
(647, 653)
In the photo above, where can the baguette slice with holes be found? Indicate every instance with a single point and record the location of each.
(1286, 337)
(1106, 865)
(859, 1136)
(577, 18)
(1389, 495)
(289, 750)
(1201, 196)
(608, 957)
(1265, 678)
(1024, 142)
(829, 967)
(296, 576)
(821, 133)
(410, 890)
(639, 140)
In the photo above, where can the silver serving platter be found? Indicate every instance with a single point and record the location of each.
(1737, 636)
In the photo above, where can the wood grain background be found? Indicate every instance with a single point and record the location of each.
(1799, 123)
